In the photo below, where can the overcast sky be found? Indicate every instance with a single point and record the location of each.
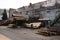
(16, 3)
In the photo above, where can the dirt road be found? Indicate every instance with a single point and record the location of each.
(2, 37)
(24, 34)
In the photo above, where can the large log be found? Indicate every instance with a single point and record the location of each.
(33, 25)
(12, 26)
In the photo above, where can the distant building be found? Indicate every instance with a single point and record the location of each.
(46, 9)
(1, 17)
(1, 12)
(52, 8)
(11, 11)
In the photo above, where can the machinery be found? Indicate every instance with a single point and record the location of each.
(52, 29)
(24, 21)
(57, 18)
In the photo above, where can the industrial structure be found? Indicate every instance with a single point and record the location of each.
(46, 11)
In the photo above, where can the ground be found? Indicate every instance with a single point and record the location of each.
(2, 37)
(24, 34)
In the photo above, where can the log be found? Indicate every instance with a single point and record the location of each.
(11, 26)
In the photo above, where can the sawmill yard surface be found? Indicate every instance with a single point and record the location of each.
(23, 34)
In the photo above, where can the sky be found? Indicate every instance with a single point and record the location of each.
(6, 4)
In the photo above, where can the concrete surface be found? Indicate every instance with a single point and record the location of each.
(24, 34)
(2, 37)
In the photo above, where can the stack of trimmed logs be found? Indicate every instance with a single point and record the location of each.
(4, 22)
(48, 32)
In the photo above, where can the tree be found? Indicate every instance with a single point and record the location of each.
(4, 15)
(30, 4)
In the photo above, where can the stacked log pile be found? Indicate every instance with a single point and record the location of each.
(4, 22)
(48, 32)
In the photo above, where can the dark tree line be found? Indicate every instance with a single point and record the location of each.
(4, 15)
